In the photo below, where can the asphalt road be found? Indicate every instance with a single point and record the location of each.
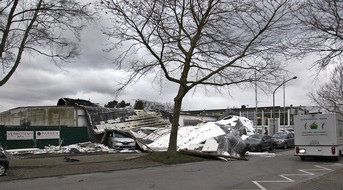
(260, 172)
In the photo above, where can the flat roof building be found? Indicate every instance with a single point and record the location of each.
(260, 116)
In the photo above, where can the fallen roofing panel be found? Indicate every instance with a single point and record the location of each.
(228, 133)
(139, 119)
(213, 155)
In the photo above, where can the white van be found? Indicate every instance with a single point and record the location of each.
(318, 135)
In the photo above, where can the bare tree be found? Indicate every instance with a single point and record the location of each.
(330, 95)
(39, 26)
(320, 30)
(212, 43)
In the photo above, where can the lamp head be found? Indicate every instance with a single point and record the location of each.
(295, 77)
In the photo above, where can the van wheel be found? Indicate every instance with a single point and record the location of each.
(302, 158)
(336, 158)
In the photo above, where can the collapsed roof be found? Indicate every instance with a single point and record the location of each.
(75, 102)
(222, 137)
(151, 129)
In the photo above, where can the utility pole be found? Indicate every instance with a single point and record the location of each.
(273, 113)
(255, 118)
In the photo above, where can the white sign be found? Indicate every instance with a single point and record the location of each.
(19, 135)
(47, 134)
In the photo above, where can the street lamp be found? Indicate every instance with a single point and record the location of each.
(274, 100)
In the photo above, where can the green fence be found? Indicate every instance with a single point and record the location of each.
(14, 137)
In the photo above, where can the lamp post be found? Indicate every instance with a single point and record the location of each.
(274, 100)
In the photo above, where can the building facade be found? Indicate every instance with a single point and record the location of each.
(260, 116)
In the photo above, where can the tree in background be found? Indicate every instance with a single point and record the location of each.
(123, 104)
(213, 44)
(320, 31)
(111, 104)
(139, 105)
(39, 26)
(330, 95)
(116, 104)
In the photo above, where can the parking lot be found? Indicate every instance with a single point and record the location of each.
(263, 171)
(35, 166)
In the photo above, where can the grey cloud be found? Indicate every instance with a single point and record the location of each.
(92, 76)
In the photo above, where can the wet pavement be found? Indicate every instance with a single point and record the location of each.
(60, 165)
(330, 181)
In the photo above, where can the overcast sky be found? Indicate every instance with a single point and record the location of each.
(38, 82)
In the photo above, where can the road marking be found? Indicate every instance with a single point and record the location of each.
(289, 180)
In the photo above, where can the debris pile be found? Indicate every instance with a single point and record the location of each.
(224, 137)
(139, 119)
(85, 147)
(151, 132)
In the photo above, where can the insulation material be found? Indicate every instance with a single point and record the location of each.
(211, 145)
(187, 136)
(231, 121)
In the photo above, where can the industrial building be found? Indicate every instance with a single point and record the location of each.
(260, 116)
(76, 120)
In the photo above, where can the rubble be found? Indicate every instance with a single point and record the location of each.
(151, 130)
(86, 147)
(139, 119)
(211, 155)
(223, 137)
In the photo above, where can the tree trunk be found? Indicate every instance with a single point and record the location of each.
(172, 148)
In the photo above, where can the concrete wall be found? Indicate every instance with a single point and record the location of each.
(44, 116)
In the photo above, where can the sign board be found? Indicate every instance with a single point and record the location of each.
(47, 134)
(19, 135)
